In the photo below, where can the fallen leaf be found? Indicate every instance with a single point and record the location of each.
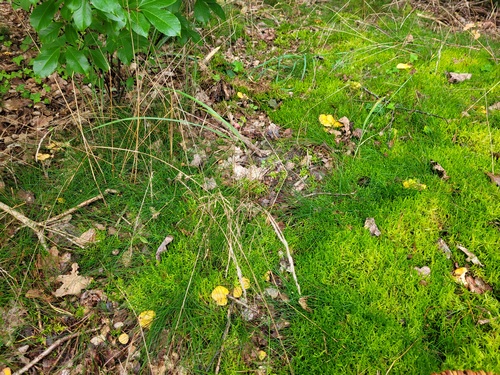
(219, 295)
(245, 283)
(303, 304)
(469, 26)
(237, 292)
(494, 107)
(86, 237)
(146, 318)
(414, 185)
(6, 371)
(163, 246)
(409, 38)
(458, 77)
(372, 226)
(423, 271)
(444, 248)
(459, 275)
(329, 121)
(477, 285)
(402, 66)
(272, 292)
(123, 339)
(439, 170)
(197, 161)
(495, 178)
(470, 256)
(476, 34)
(72, 284)
(43, 157)
(262, 355)
(209, 184)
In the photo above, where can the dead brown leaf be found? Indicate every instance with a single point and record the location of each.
(86, 237)
(163, 246)
(477, 285)
(439, 170)
(470, 256)
(372, 226)
(494, 107)
(458, 77)
(444, 248)
(495, 178)
(303, 304)
(73, 283)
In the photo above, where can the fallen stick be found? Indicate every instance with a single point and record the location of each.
(47, 351)
(33, 225)
(283, 240)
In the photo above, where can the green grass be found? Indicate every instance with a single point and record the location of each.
(370, 310)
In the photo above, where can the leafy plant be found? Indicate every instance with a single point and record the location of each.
(81, 36)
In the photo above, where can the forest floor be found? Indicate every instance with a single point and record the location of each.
(313, 189)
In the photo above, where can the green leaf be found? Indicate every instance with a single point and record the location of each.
(163, 21)
(46, 62)
(107, 6)
(76, 62)
(201, 12)
(99, 59)
(42, 16)
(73, 5)
(83, 16)
(139, 23)
(217, 9)
(50, 33)
(71, 34)
(143, 4)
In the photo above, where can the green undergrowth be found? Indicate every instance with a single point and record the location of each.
(368, 310)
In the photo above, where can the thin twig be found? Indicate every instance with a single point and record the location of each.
(82, 204)
(224, 336)
(33, 225)
(282, 238)
(47, 351)
(401, 356)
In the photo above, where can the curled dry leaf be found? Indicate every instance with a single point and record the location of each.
(86, 237)
(163, 246)
(458, 77)
(495, 178)
(444, 248)
(470, 256)
(439, 170)
(219, 295)
(477, 285)
(72, 283)
(494, 107)
(303, 304)
(423, 271)
(372, 226)
(146, 318)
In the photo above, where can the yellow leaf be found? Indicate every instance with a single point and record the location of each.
(262, 355)
(123, 338)
(219, 295)
(404, 66)
(237, 292)
(459, 275)
(414, 184)
(329, 121)
(267, 276)
(246, 283)
(42, 157)
(61, 200)
(146, 318)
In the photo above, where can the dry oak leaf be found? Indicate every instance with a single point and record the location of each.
(458, 77)
(372, 226)
(72, 283)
